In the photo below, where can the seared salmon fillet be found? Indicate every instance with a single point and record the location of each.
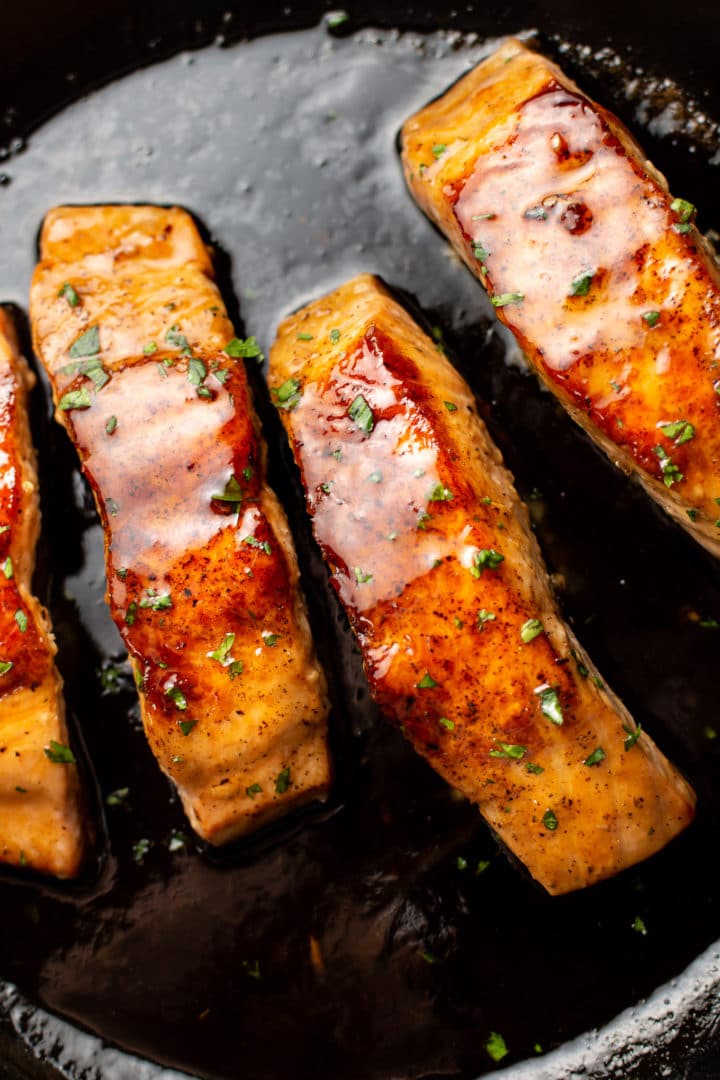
(203, 580)
(42, 823)
(431, 554)
(599, 273)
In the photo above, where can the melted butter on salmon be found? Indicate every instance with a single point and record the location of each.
(601, 275)
(203, 580)
(42, 824)
(432, 555)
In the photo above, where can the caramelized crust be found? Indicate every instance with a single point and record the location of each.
(602, 277)
(432, 555)
(41, 822)
(203, 580)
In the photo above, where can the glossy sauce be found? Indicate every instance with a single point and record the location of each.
(150, 954)
(202, 578)
(434, 563)
(560, 215)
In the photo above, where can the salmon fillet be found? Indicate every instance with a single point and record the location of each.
(203, 580)
(599, 273)
(431, 554)
(42, 824)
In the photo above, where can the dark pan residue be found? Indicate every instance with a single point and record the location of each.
(384, 935)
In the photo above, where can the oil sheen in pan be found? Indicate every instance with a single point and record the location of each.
(385, 936)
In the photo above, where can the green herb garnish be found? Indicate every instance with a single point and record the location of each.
(88, 344)
(507, 298)
(530, 630)
(681, 431)
(550, 821)
(59, 754)
(633, 734)
(484, 617)
(177, 697)
(111, 425)
(508, 750)
(288, 394)
(652, 318)
(485, 559)
(186, 726)
(550, 704)
(178, 340)
(247, 348)
(496, 1046)
(22, 620)
(671, 473)
(580, 285)
(75, 399)
(67, 292)
(596, 757)
(222, 653)
(427, 682)
(283, 781)
(361, 413)
(361, 577)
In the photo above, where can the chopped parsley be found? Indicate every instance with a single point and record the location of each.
(75, 399)
(496, 1046)
(450, 406)
(508, 750)
(131, 614)
(482, 866)
(283, 781)
(156, 601)
(304, 337)
(684, 211)
(671, 473)
(111, 425)
(22, 620)
(59, 754)
(231, 493)
(287, 394)
(222, 653)
(596, 757)
(652, 318)
(550, 704)
(92, 368)
(481, 253)
(439, 149)
(8, 568)
(247, 348)
(632, 736)
(483, 617)
(440, 493)
(197, 372)
(550, 821)
(530, 630)
(449, 725)
(88, 344)
(186, 726)
(507, 298)
(5, 666)
(177, 697)
(178, 340)
(140, 850)
(639, 926)
(681, 431)
(149, 348)
(235, 669)
(536, 213)
(485, 559)
(361, 577)
(270, 640)
(361, 413)
(580, 285)
(427, 682)
(531, 767)
(112, 507)
(116, 798)
(264, 545)
(335, 336)
(375, 477)
(253, 790)
(68, 292)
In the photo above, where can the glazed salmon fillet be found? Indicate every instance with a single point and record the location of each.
(203, 580)
(42, 822)
(432, 556)
(597, 270)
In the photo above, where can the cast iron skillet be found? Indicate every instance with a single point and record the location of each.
(205, 961)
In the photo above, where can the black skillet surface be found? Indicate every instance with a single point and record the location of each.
(361, 940)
